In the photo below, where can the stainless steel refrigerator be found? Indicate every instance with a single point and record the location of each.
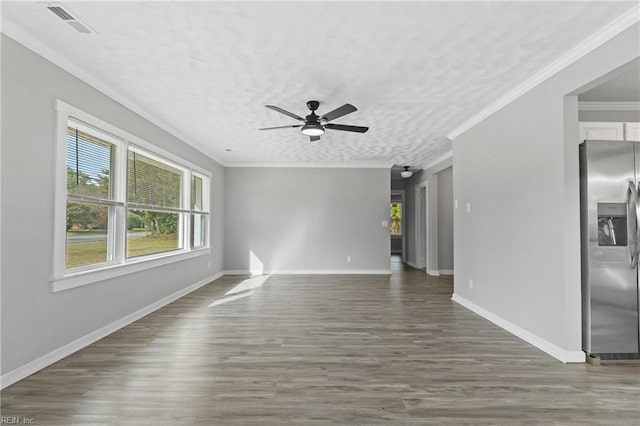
(610, 207)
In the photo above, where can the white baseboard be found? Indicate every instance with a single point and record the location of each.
(446, 271)
(433, 273)
(540, 343)
(412, 264)
(237, 272)
(311, 272)
(56, 355)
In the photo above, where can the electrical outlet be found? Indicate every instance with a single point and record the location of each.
(471, 284)
(468, 207)
(385, 223)
(209, 264)
(348, 259)
(455, 204)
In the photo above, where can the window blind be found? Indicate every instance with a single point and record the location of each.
(89, 163)
(151, 183)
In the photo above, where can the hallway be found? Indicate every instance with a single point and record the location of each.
(347, 349)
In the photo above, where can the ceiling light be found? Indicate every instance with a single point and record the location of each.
(406, 173)
(312, 129)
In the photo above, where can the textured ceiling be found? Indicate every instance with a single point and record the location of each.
(414, 70)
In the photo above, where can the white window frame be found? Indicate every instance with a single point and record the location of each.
(62, 278)
(206, 208)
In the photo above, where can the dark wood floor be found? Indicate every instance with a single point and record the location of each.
(321, 349)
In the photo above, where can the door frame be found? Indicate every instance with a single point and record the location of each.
(422, 229)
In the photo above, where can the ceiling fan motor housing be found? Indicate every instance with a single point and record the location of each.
(313, 105)
(312, 118)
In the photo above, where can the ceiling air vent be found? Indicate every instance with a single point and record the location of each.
(62, 14)
(65, 14)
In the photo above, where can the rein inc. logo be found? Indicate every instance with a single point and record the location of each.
(16, 420)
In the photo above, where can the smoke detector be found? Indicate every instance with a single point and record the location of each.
(406, 173)
(69, 18)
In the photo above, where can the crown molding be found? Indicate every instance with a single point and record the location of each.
(617, 26)
(609, 106)
(437, 161)
(17, 33)
(362, 165)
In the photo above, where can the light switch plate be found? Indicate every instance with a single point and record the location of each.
(385, 223)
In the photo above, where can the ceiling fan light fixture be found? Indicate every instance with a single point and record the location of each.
(314, 125)
(312, 129)
(406, 173)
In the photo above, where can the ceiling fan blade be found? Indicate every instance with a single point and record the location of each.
(346, 128)
(281, 127)
(339, 112)
(314, 138)
(285, 112)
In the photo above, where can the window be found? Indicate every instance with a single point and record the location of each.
(90, 205)
(153, 195)
(199, 215)
(396, 219)
(123, 201)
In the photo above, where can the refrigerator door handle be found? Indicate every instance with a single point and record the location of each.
(637, 254)
(633, 230)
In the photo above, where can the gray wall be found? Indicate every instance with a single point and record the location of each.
(609, 116)
(445, 219)
(397, 184)
(519, 170)
(293, 219)
(36, 321)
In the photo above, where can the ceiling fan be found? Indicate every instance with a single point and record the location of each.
(315, 125)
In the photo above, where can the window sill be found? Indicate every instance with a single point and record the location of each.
(79, 279)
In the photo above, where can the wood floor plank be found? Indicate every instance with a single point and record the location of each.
(340, 349)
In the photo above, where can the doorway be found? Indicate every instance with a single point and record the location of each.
(397, 232)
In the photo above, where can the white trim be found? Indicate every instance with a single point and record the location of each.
(57, 354)
(437, 161)
(360, 165)
(117, 270)
(420, 255)
(608, 106)
(614, 28)
(237, 272)
(311, 272)
(433, 273)
(16, 32)
(60, 189)
(446, 271)
(123, 137)
(540, 343)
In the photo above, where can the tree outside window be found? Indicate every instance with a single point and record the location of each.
(396, 219)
